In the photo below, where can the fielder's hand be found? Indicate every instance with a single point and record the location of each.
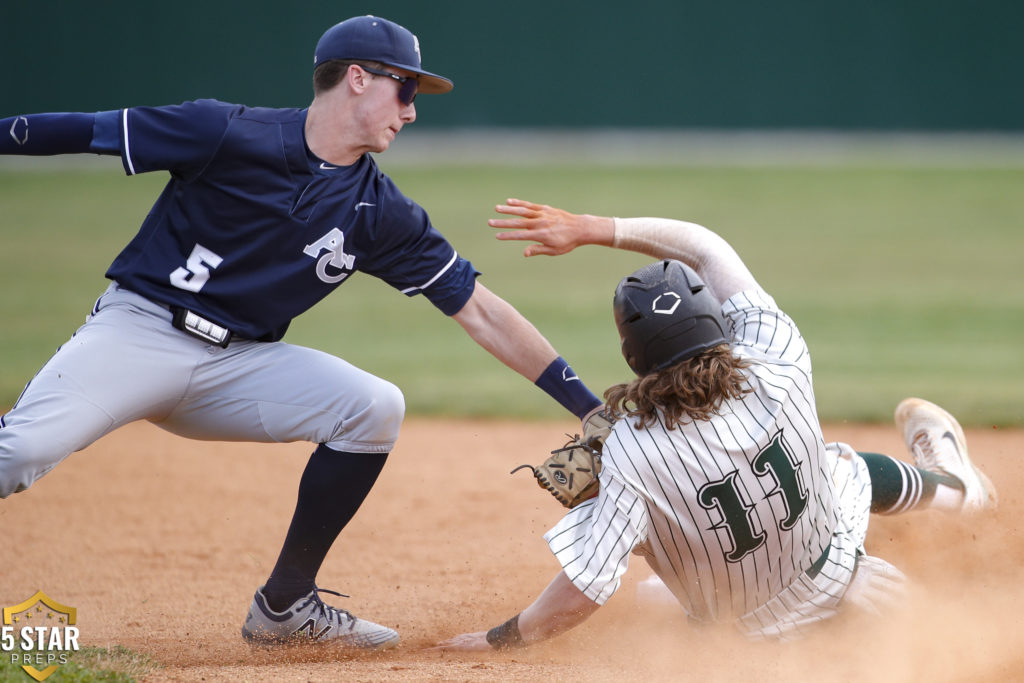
(597, 425)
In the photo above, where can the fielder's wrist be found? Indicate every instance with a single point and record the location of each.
(560, 382)
(506, 636)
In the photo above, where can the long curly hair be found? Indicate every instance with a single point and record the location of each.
(693, 389)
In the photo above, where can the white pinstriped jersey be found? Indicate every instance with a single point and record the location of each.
(740, 515)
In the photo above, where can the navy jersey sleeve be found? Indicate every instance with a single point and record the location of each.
(179, 138)
(46, 134)
(412, 256)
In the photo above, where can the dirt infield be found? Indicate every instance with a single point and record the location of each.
(159, 543)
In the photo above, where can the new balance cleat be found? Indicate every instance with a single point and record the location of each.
(938, 444)
(310, 620)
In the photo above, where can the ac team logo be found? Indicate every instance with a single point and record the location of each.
(38, 635)
(335, 265)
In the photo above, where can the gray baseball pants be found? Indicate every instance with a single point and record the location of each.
(128, 363)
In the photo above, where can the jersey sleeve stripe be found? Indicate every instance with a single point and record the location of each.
(451, 262)
(127, 148)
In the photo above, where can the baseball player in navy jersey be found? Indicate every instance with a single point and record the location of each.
(716, 471)
(266, 212)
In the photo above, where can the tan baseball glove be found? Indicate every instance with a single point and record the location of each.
(570, 474)
(597, 425)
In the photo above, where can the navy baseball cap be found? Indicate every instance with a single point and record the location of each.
(374, 39)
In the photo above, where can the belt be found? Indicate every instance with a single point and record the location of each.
(819, 564)
(193, 324)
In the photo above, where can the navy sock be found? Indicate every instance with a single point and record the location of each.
(333, 486)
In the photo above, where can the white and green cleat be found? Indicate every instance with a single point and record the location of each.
(938, 444)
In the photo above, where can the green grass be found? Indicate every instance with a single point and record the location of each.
(89, 665)
(904, 280)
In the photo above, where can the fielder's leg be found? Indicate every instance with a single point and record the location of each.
(125, 364)
(42, 429)
(280, 392)
(333, 486)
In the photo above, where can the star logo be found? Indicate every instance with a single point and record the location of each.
(46, 641)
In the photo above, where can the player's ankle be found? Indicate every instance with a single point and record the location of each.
(282, 594)
(949, 496)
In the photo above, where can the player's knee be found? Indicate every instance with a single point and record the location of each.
(387, 410)
(372, 421)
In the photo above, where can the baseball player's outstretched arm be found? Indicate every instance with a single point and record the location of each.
(59, 133)
(558, 232)
(561, 607)
(503, 331)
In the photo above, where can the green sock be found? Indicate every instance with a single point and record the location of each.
(898, 487)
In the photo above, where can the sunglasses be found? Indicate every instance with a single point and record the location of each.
(409, 85)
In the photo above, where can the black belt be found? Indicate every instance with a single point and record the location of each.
(193, 324)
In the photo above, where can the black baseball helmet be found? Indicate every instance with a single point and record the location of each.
(666, 314)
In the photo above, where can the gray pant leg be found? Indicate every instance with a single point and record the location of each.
(279, 392)
(44, 428)
(127, 363)
(121, 366)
